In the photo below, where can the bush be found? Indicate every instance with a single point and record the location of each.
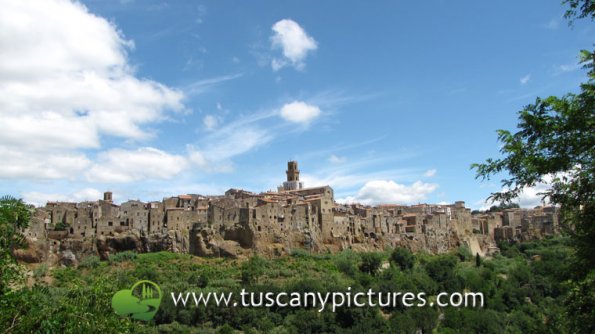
(442, 270)
(464, 253)
(403, 258)
(253, 269)
(90, 262)
(60, 227)
(371, 263)
(300, 253)
(346, 262)
(122, 256)
(202, 281)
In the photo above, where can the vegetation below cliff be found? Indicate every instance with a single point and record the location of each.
(525, 291)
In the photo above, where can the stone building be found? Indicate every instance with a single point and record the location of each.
(241, 223)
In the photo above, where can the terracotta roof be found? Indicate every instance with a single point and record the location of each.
(268, 200)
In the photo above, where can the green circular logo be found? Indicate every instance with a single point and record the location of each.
(141, 301)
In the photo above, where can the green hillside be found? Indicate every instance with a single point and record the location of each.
(524, 288)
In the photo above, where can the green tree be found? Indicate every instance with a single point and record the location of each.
(442, 270)
(580, 9)
(555, 144)
(371, 263)
(503, 206)
(253, 269)
(403, 258)
(14, 217)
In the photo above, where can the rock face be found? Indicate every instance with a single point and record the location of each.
(68, 259)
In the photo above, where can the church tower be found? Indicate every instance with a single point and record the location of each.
(293, 177)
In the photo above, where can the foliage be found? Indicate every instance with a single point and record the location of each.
(61, 226)
(253, 269)
(555, 144)
(503, 206)
(464, 253)
(14, 217)
(442, 270)
(522, 294)
(403, 258)
(371, 263)
(90, 262)
(122, 257)
(346, 262)
(580, 9)
(581, 302)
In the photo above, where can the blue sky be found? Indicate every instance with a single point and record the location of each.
(384, 101)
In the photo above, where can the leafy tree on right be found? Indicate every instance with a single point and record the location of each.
(555, 144)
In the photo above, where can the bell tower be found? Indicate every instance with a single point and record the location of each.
(107, 196)
(293, 177)
(293, 173)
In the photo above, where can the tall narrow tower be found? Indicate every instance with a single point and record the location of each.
(293, 173)
(293, 177)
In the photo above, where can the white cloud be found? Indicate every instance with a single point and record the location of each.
(65, 82)
(334, 159)
(430, 173)
(294, 42)
(388, 191)
(299, 112)
(118, 165)
(22, 164)
(40, 199)
(197, 157)
(210, 122)
(524, 80)
(530, 197)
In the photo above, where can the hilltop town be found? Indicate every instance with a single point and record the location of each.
(241, 223)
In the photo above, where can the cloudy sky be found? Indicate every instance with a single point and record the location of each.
(387, 102)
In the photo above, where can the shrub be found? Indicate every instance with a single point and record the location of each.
(60, 227)
(90, 262)
(464, 253)
(346, 262)
(298, 252)
(371, 263)
(252, 269)
(403, 258)
(122, 256)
